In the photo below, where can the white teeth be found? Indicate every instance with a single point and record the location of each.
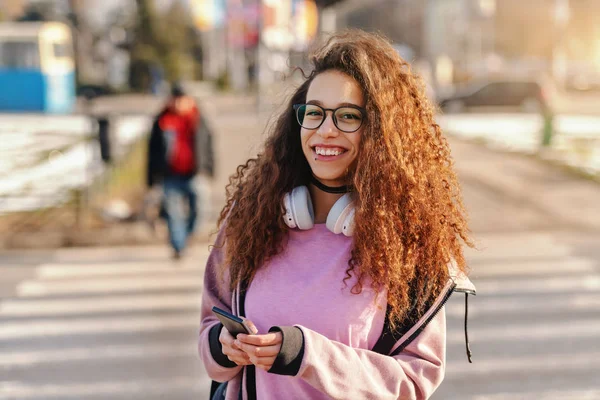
(327, 152)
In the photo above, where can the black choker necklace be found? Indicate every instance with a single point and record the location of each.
(329, 189)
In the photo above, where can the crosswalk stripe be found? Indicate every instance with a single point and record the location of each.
(82, 326)
(108, 303)
(112, 389)
(121, 286)
(24, 359)
(539, 363)
(483, 305)
(589, 282)
(57, 271)
(109, 285)
(533, 267)
(85, 326)
(566, 329)
(590, 394)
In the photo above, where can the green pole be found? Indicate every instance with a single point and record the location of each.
(548, 129)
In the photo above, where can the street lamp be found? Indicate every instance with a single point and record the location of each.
(487, 9)
(562, 14)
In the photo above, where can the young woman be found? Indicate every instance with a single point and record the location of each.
(336, 240)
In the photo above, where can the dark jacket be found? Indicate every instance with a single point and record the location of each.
(158, 168)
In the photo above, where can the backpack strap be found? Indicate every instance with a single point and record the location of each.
(250, 369)
(214, 386)
(389, 337)
(238, 306)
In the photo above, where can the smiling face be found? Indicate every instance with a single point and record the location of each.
(329, 151)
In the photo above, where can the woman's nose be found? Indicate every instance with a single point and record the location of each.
(328, 128)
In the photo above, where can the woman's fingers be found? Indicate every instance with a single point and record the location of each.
(261, 356)
(258, 351)
(236, 356)
(231, 350)
(264, 363)
(225, 337)
(262, 350)
(268, 339)
(250, 325)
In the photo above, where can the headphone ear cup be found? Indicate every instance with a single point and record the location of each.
(337, 220)
(348, 225)
(302, 208)
(288, 217)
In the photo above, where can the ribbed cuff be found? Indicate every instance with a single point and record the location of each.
(216, 348)
(290, 355)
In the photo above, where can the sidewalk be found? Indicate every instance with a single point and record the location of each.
(567, 200)
(237, 127)
(570, 201)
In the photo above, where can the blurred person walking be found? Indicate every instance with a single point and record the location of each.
(180, 146)
(340, 242)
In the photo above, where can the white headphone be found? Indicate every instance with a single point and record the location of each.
(299, 212)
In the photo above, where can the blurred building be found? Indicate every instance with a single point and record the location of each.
(453, 40)
(400, 20)
(252, 41)
(11, 9)
(514, 37)
(464, 39)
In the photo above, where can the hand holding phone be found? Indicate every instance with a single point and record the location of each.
(235, 325)
(232, 326)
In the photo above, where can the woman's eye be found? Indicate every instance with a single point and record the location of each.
(350, 116)
(313, 113)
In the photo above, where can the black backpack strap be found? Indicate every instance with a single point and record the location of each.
(214, 385)
(250, 369)
(388, 338)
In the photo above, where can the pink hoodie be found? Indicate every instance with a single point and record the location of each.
(301, 292)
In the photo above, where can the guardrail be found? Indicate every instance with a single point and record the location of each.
(53, 167)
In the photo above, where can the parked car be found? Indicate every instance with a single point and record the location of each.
(528, 96)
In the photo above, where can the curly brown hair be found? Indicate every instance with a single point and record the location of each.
(409, 218)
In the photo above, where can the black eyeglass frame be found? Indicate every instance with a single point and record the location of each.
(363, 111)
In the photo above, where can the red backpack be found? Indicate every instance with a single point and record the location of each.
(178, 133)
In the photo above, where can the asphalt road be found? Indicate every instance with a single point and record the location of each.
(121, 323)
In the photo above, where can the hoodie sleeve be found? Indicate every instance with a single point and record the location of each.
(334, 368)
(215, 293)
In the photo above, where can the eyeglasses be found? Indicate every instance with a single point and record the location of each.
(347, 118)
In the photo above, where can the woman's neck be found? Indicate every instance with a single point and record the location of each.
(322, 202)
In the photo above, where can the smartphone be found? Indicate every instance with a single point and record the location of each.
(235, 325)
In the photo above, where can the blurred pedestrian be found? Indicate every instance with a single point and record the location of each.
(340, 242)
(180, 146)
